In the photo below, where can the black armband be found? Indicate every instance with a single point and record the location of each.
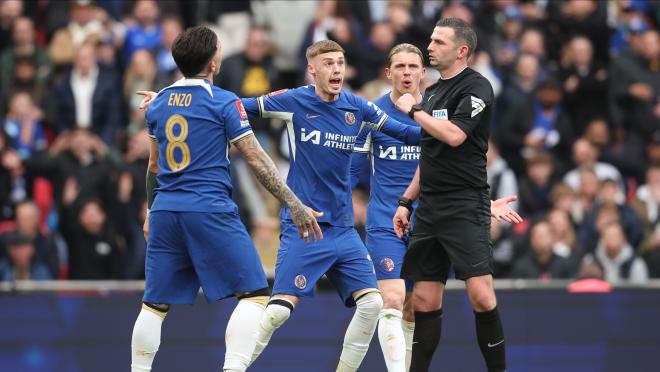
(152, 183)
(406, 203)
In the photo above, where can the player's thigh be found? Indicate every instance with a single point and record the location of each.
(301, 264)
(387, 252)
(425, 259)
(224, 256)
(169, 271)
(353, 271)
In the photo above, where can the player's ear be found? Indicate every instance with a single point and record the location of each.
(388, 73)
(310, 69)
(423, 74)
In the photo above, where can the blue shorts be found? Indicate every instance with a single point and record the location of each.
(340, 255)
(189, 249)
(387, 252)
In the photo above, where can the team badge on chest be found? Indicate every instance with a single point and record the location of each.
(349, 118)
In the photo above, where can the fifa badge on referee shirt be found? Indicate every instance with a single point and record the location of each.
(349, 117)
(440, 114)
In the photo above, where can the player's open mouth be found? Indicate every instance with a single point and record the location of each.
(335, 82)
(407, 83)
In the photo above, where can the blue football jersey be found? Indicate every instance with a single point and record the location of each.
(194, 124)
(321, 140)
(393, 164)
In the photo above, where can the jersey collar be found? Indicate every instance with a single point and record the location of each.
(185, 82)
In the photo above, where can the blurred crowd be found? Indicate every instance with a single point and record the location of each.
(576, 132)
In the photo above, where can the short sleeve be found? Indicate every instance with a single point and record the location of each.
(472, 104)
(364, 140)
(372, 113)
(236, 120)
(151, 122)
(274, 105)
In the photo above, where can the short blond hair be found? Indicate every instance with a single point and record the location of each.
(321, 47)
(404, 48)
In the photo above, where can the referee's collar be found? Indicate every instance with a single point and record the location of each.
(453, 76)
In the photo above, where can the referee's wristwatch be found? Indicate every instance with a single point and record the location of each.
(416, 107)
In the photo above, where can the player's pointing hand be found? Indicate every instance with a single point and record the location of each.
(304, 218)
(148, 97)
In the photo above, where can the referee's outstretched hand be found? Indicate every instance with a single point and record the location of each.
(401, 221)
(501, 211)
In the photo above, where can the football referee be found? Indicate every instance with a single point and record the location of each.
(452, 222)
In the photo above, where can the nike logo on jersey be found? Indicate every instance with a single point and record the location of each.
(495, 344)
(308, 116)
(477, 105)
(431, 96)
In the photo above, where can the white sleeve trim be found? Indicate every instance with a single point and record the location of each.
(244, 134)
(366, 148)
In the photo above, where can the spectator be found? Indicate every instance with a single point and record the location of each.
(504, 252)
(145, 32)
(381, 40)
(541, 262)
(9, 11)
(610, 196)
(563, 235)
(28, 217)
(171, 27)
(536, 186)
(24, 79)
(19, 264)
(24, 45)
(538, 125)
(88, 97)
(520, 86)
(25, 132)
(83, 27)
(617, 258)
(93, 249)
(648, 195)
(567, 200)
(140, 75)
(585, 156)
(506, 44)
(584, 82)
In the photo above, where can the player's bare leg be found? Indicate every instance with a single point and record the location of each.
(361, 329)
(490, 334)
(146, 336)
(427, 302)
(408, 325)
(277, 312)
(390, 328)
(242, 330)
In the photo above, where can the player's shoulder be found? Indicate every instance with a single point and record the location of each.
(223, 95)
(384, 101)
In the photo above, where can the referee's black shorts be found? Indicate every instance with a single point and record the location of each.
(452, 231)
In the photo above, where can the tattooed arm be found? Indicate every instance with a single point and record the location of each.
(268, 175)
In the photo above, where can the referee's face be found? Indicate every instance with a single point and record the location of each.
(406, 72)
(443, 51)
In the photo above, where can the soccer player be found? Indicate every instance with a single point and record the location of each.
(393, 164)
(194, 234)
(452, 222)
(322, 123)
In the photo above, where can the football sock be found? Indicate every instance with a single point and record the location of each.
(428, 328)
(408, 330)
(276, 313)
(360, 331)
(146, 338)
(392, 340)
(490, 337)
(241, 335)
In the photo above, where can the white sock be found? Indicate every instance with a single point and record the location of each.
(408, 331)
(360, 332)
(241, 335)
(274, 316)
(146, 339)
(392, 341)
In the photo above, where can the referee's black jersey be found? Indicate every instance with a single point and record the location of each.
(467, 101)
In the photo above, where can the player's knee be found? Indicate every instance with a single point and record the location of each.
(277, 312)
(393, 300)
(426, 301)
(370, 304)
(483, 300)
